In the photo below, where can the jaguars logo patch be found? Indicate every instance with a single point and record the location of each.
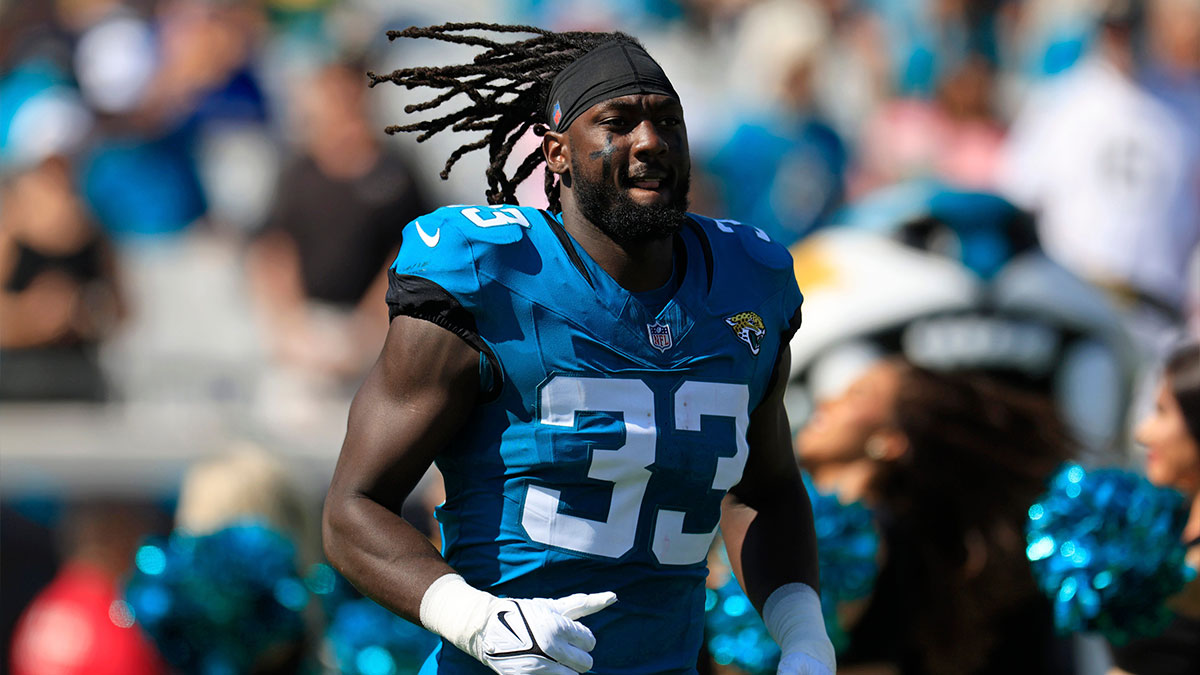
(749, 328)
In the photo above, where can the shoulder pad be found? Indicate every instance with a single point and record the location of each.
(487, 224)
(751, 241)
(455, 240)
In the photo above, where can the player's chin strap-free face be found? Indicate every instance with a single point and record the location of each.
(514, 636)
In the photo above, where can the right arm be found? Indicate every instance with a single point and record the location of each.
(415, 399)
(413, 402)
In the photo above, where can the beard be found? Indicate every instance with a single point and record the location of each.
(625, 221)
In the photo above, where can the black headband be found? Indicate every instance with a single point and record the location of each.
(614, 69)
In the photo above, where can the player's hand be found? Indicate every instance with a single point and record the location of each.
(538, 635)
(793, 616)
(799, 663)
(514, 636)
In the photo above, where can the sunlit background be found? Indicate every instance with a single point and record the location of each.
(197, 200)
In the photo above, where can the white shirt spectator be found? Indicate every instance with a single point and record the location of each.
(1113, 175)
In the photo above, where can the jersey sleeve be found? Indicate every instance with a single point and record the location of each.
(435, 278)
(782, 270)
(793, 301)
(779, 270)
(777, 261)
(770, 265)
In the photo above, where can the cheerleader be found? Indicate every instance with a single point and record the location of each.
(950, 464)
(1171, 435)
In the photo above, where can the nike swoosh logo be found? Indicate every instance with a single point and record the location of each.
(505, 622)
(430, 240)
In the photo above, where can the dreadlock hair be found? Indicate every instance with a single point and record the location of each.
(508, 85)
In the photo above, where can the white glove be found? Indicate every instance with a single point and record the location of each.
(793, 616)
(514, 636)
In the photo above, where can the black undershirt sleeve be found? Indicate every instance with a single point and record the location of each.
(420, 298)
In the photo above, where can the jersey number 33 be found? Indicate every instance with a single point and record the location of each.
(627, 467)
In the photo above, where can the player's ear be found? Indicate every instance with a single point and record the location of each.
(557, 152)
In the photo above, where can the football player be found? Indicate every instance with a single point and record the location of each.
(600, 384)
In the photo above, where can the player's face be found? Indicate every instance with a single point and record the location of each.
(1172, 455)
(630, 166)
(838, 431)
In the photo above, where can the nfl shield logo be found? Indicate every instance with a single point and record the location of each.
(660, 335)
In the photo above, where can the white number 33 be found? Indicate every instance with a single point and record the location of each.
(627, 466)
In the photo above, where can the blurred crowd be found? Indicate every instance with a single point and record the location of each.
(198, 202)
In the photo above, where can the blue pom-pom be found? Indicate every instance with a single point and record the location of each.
(1105, 547)
(736, 634)
(847, 551)
(369, 640)
(216, 603)
(329, 588)
(848, 554)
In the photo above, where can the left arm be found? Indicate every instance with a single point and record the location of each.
(766, 519)
(767, 525)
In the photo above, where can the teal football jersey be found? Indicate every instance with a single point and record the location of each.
(607, 435)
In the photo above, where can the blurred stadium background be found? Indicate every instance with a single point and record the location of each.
(197, 199)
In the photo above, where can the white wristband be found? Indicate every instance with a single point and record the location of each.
(458, 612)
(793, 616)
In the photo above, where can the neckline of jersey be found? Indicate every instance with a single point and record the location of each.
(593, 273)
(655, 300)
